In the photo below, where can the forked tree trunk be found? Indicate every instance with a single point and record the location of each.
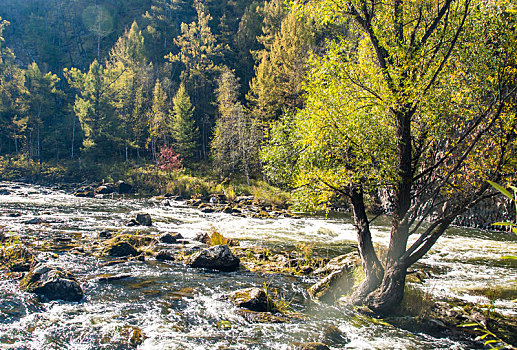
(391, 291)
(372, 267)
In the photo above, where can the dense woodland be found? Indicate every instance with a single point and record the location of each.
(124, 80)
(333, 99)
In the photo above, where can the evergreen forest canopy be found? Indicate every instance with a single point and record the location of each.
(414, 98)
(122, 80)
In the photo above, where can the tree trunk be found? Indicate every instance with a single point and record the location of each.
(371, 265)
(389, 295)
(73, 139)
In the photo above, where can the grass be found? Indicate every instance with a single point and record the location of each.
(196, 182)
(217, 238)
(275, 301)
(416, 302)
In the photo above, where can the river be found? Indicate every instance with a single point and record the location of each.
(178, 307)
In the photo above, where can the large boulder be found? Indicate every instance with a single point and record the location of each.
(87, 192)
(119, 249)
(254, 299)
(144, 219)
(106, 188)
(52, 283)
(164, 255)
(339, 279)
(123, 187)
(218, 257)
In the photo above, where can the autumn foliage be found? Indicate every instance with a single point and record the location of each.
(168, 159)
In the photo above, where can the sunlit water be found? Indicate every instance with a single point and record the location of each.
(178, 307)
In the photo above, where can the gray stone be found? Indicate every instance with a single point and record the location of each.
(52, 283)
(254, 299)
(170, 238)
(144, 219)
(311, 346)
(218, 257)
(106, 189)
(123, 187)
(164, 255)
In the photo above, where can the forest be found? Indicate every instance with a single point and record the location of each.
(402, 113)
(124, 80)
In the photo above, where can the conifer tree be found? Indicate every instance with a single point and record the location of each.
(198, 50)
(94, 109)
(160, 124)
(282, 64)
(236, 138)
(13, 120)
(44, 117)
(185, 131)
(131, 75)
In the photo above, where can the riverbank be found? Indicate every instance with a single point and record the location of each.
(201, 182)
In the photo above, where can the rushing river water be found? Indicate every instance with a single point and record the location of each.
(177, 307)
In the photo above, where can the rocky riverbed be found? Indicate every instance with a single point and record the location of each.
(115, 271)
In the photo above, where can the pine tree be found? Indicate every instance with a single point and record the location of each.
(198, 51)
(236, 138)
(94, 109)
(131, 77)
(160, 124)
(13, 120)
(185, 131)
(281, 66)
(44, 118)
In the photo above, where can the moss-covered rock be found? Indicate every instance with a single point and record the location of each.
(339, 280)
(119, 249)
(135, 240)
(17, 258)
(218, 257)
(254, 299)
(52, 283)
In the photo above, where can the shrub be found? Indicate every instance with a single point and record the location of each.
(168, 159)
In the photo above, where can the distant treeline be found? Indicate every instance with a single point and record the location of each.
(122, 80)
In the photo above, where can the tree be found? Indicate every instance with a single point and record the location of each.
(282, 64)
(131, 86)
(185, 131)
(43, 118)
(197, 50)
(418, 100)
(160, 124)
(94, 109)
(13, 121)
(236, 137)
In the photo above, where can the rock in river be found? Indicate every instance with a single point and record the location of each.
(85, 192)
(311, 346)
(218, 257)
(107, 188)
(254, 299)
(144, 219)
(52, 283)
(119, 249)
(123, 187)
(170, 238)
(17, 258)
